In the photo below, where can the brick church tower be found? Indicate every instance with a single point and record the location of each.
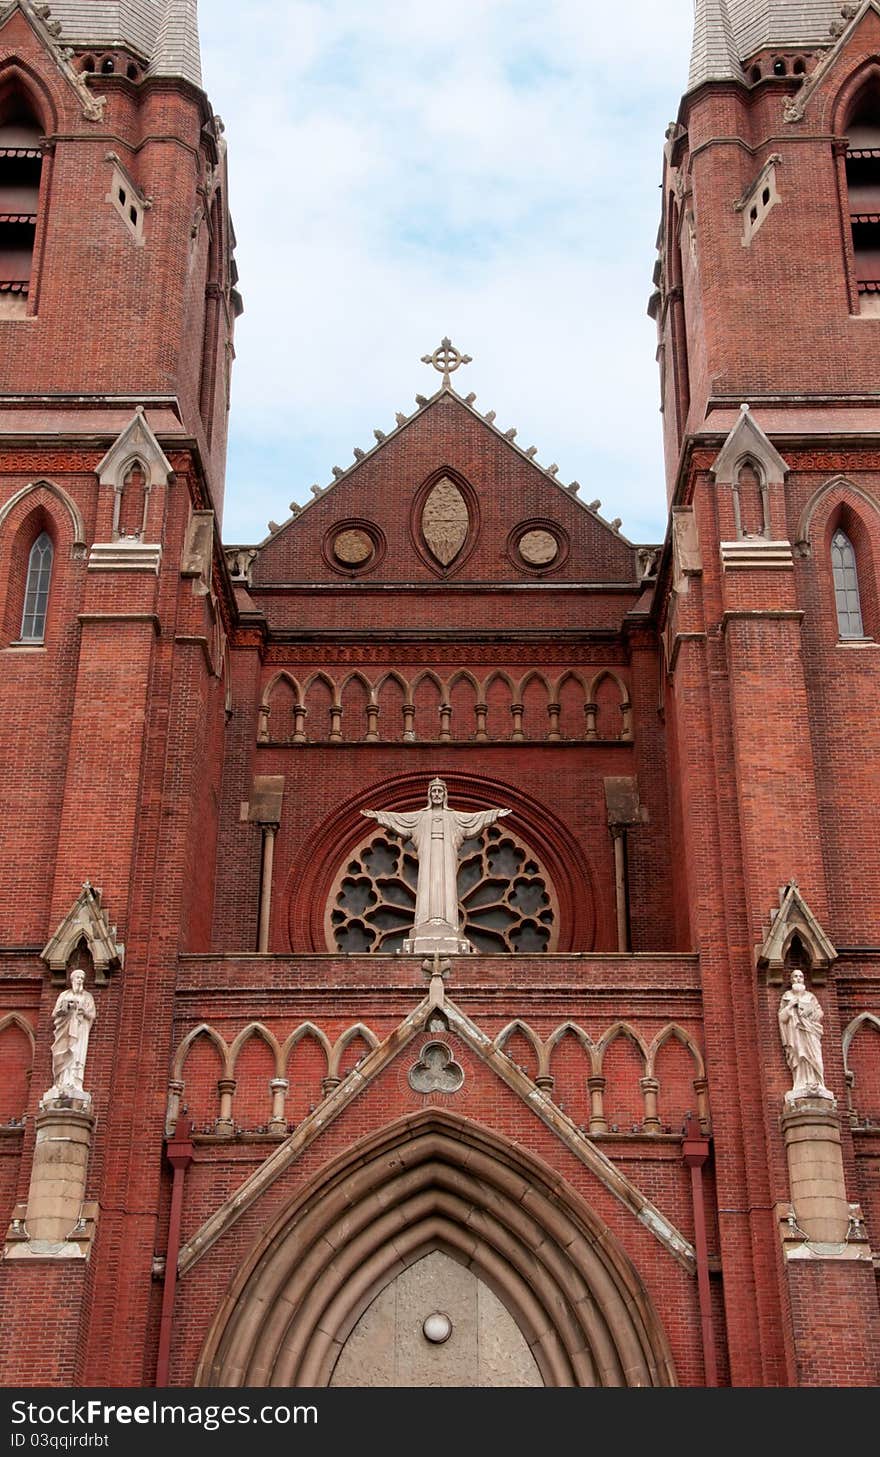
(315, 1068)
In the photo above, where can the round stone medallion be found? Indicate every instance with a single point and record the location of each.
(352, 548)
(538, 548)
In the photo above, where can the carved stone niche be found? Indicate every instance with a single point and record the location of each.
(86, 926)
(794, 934)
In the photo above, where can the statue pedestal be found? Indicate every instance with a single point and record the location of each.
(56, 1224)
(436, 937)
(811, 1130)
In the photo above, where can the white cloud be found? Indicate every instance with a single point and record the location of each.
(486, 168)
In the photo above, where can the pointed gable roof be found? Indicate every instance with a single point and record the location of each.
(48, 30)
(403, 422)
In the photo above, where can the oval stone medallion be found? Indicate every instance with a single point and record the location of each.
(445, 521)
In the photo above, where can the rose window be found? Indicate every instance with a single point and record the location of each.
(506, 898)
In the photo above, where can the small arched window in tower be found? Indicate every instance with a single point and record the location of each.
(36, 592)
(863, 189)
(846, 587)
(20, 167)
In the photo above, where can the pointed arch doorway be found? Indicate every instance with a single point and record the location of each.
(435, 1221)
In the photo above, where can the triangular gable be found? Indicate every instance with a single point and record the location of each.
(418, 1023)
(85, 921)
(383, 439)
(49, 33)
(137, 442)
(794, 917)
(794, 107)
(748, 441)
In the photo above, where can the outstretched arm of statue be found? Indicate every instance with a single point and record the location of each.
(473, 824)
(400, 824)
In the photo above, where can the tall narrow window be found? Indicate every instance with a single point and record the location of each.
(36, 594)
(863, 189)
(846, 586)
(20, 167)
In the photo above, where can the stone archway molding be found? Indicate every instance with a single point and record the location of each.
(434, 1180)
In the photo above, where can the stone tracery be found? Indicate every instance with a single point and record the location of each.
(507, 900)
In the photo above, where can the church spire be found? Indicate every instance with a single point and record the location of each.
(714, 54)
(177, 51)
(165, 33)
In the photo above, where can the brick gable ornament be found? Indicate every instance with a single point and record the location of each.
(86, 921)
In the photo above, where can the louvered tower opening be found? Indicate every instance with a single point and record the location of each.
(863, 190)
(20, 165)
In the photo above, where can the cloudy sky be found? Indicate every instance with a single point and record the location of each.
(401, 170)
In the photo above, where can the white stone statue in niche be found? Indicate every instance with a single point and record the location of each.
(800, 1025)
(72, 1019)
(437, 833)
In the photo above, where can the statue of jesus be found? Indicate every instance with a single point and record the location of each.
(437, 833)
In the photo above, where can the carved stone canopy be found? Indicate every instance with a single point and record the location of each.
(794, 918)
(747, 441)
(137, 442)
(85, 921)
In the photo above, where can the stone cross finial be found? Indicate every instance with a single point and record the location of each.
(447, 359)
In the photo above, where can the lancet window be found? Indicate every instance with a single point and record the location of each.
(20, 169)
(846, 587)
(863, 190)
(36, 595)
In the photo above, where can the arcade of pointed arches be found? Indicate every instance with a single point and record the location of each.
(341, 1055)
(395, 708)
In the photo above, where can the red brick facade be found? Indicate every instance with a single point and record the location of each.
(678, 734)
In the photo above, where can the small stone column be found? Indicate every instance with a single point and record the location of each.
(598, 1122)
(481, 710)
(650, 1090)
(279, 1088)
(811, 1130)
(58, 1176)
(517, 709)
(336, 723)
(409, 723)
(372, 722)
(300, 713)
(590, 713)
(553, 711)
(224, 1126)
(445, 721)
